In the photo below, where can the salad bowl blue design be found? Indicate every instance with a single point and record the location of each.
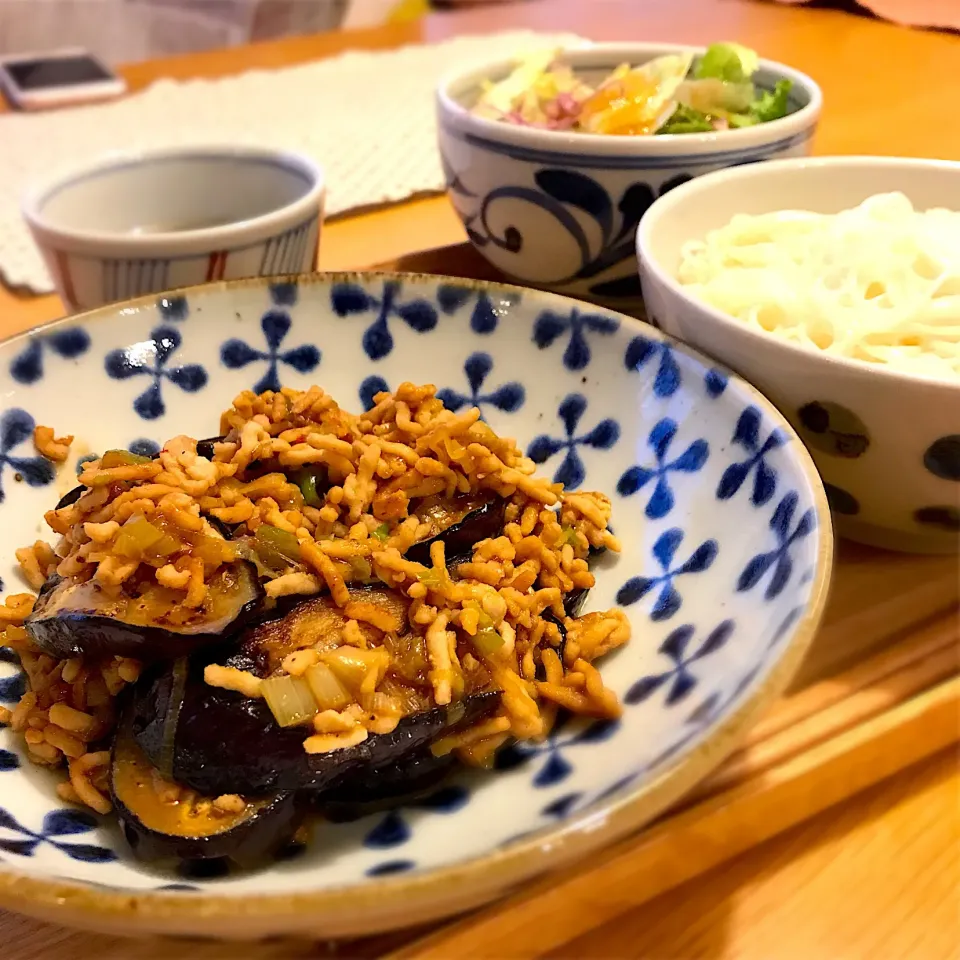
(560, 209)
(726, 560)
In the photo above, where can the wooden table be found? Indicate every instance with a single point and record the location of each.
(875, 877)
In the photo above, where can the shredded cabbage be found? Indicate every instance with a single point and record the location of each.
(669, 94)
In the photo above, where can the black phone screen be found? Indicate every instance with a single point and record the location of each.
(46, 72)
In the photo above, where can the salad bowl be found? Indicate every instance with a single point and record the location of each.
(559, 209)
(726, 561)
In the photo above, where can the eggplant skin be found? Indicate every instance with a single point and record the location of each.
(370, 791)
(64, 631)
(573, 602)
(249, 839)
(70, 497)
(228, 743)
(484, 523)
(205, 447)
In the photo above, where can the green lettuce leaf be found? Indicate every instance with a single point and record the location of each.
(772, 104)
(727, 61)
(686, 120)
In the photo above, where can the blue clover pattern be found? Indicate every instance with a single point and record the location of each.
(568, 196)
(637, 477)
(150, 359)
(16, 427)
(173, 309)
(13, 688)
(747, 435)
(351, 299)
(668, 600)
(716, 382)
(143, 447)
(557, 765)
(390, 867)
(370, 387)
(550, 326)
(275, 325)
(8, 761)
(484, 316)
(394, 829)
(679, 679)
(779, 558)
(284, 293)
(571, 472)
(508, 398)
(56, 824)
(643, 350)
(68, 344)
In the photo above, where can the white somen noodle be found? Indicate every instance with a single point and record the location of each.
(877, 283)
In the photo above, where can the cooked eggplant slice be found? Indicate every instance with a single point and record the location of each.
(459, 523)
(159, 824)
(71, 497)
(311, 621)
(72, 619)
(205, 447)
(573, 602)
(224, 742)
(370, 791)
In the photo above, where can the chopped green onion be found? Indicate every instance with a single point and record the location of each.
(136, 537)
(430, 578)
(487, 641)
(121, 458)
(484, 620)
(270, 542)
(360, 569)
(290, 699)
(327, 690)
(308, 487)
(382, 532)
(351, 665)
(569, 536)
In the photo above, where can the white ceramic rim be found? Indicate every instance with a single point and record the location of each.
(730, 178)
(597, 144)
(443, 891)
(251, 229)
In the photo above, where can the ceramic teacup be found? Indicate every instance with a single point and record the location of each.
(145, 222)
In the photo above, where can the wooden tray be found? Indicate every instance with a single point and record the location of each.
(879, 691)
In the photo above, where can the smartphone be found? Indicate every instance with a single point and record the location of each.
(57, 79)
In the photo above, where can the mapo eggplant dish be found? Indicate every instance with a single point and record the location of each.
(312, 611)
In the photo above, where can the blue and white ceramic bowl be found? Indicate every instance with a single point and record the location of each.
(724, 574)
(560, 209)
(886, 442)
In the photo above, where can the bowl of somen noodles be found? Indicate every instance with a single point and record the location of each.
(833, 285)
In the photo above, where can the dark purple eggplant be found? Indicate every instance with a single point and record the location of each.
(573, 602)
(224, 742)
(159, 830)
(371, 791)
(72, 619)
(205, 447)
(459, 523)
(302, 622)
(71, 497)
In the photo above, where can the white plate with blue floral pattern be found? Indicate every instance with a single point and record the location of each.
(724, 573)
